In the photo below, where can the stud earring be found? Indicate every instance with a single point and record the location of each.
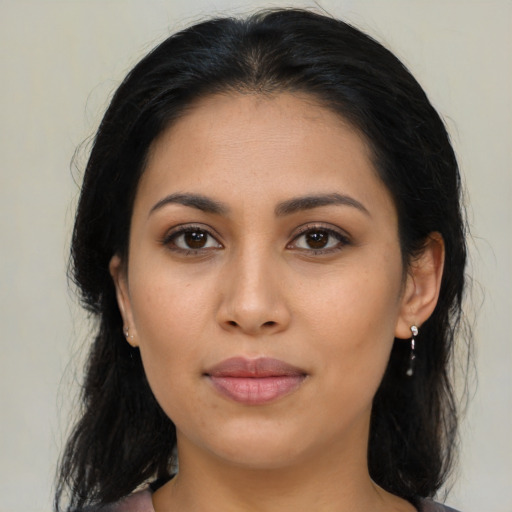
(412, 357)
(127, 335)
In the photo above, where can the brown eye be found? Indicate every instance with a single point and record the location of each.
(317, 239)
(195, 239)
(192, 239)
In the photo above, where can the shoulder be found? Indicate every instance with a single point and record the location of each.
(432, 506)
(136, 502)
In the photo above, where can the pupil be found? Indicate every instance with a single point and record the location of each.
(317, 239)
(195, 239)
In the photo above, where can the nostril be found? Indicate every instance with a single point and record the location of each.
(250, 327)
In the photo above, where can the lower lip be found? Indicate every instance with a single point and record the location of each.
(254, 390)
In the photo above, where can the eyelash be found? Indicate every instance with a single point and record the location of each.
(169, 240)
(342, 239)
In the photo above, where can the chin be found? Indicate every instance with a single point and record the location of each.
(262, 458)
(258, 446)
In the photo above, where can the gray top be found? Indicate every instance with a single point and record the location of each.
(432, 506)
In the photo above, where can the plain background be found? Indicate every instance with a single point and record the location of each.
(59, 63)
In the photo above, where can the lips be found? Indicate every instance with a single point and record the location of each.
(255, 381)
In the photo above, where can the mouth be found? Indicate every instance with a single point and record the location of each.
(255, 381)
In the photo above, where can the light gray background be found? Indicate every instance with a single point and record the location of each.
(60, 62)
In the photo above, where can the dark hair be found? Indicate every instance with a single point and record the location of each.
(123, 438)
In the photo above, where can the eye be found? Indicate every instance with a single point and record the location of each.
(318, 240)
(191, 239)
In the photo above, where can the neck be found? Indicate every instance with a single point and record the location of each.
(334, 481)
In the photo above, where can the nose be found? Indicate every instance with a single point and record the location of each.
(252, 296)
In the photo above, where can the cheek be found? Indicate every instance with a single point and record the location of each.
(353, 315)
(170, 316)
(169, 303)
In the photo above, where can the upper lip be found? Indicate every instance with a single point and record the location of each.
(253, 368)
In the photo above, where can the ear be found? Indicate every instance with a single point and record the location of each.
(118, 272)
(422, 286)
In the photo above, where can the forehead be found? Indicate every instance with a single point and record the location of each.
(232, 120)
(245, 145)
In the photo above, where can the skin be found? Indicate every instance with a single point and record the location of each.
(260, 287)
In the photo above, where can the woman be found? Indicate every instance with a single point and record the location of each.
(270, 235)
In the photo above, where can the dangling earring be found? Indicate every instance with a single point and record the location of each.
(410, 370)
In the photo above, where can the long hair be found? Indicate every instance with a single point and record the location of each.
(123, 438)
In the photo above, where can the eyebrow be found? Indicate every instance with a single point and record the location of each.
(315, 201)
(198, 201)
(288, 207)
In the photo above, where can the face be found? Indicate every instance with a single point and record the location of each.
(265, 282)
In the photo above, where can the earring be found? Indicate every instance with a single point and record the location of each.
(127, 335)
(410, 370)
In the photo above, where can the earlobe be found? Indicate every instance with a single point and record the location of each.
(118, 273)
(422, 287)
